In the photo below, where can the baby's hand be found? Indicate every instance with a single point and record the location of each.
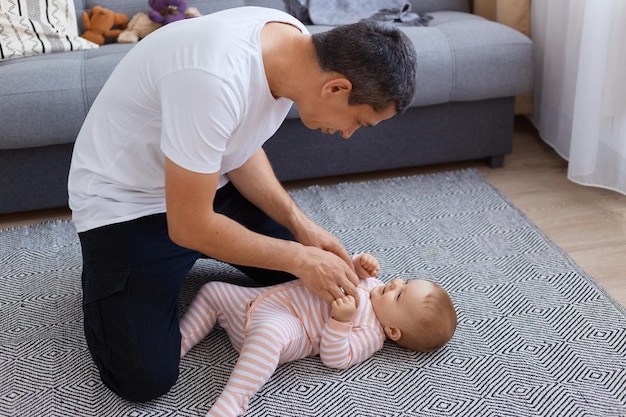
(366, 265)
(343, 309)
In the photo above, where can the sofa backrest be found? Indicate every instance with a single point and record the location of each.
(131, 7)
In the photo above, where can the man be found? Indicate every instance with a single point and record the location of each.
(168, 167)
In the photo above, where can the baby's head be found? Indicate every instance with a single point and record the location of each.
(417, 314)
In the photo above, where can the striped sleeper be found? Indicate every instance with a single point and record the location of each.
(272, 325)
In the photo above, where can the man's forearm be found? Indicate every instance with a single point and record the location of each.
(256, 181)
(193, 224)
(235, 244)
(318, 258)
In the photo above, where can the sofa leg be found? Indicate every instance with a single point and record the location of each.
(495, 161)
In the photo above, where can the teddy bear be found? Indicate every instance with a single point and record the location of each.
(138, 28)
(167, 11)
(99, 23)
(141, 26)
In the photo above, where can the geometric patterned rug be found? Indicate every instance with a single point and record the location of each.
(536, 335)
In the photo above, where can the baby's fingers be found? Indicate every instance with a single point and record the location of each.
(370, 265)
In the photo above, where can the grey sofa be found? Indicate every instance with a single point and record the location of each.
(469, 70)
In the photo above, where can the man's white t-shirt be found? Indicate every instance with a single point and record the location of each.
(194, 91)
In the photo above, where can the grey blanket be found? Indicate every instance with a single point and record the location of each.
(342, 12)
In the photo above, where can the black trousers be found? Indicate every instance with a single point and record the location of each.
(132, 276)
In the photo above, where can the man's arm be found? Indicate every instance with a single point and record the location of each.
(256, 181)
(194, 224)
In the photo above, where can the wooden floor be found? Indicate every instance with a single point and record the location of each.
(588, 223)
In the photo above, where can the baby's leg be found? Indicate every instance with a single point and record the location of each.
(200, 317)
(215, 301)
(274, 338)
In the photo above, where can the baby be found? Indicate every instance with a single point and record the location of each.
(273, 325)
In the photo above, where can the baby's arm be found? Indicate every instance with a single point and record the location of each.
(366, 265)
(344, 345)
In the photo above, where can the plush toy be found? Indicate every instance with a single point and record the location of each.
(141, 26)
(99, 23)
(138, 28)
(167, 11)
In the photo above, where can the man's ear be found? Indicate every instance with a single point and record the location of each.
(337, 86)
(393, 333)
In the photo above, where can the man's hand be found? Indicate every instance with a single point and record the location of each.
(332, 285)
(311, 234)
(327, 275)
(343, 309)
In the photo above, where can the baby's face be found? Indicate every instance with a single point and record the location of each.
(396, 302)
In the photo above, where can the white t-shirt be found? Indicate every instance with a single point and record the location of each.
(194, 91)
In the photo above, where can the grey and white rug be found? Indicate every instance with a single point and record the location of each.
(536, 336)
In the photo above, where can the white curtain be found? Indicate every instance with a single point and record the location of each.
(580, 86)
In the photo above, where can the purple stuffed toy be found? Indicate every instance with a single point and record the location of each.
(167, 11)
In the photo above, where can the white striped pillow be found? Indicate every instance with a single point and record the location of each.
(32, 27)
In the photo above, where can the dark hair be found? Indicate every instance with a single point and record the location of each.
(377, 58)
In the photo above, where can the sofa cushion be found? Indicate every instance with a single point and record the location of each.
(49, 95)
(37, 27)
(464, 57)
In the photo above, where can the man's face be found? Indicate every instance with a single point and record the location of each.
(338, 116)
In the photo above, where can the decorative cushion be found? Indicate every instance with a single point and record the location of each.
(32, 27)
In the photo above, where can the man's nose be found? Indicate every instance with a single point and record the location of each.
(348, 132)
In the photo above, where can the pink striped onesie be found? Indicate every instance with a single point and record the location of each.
(273, 325)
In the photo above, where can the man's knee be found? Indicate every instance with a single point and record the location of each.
(138, 375)
(140, 385)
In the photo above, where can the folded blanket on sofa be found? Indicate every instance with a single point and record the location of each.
(342, 12)
(403, 16)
